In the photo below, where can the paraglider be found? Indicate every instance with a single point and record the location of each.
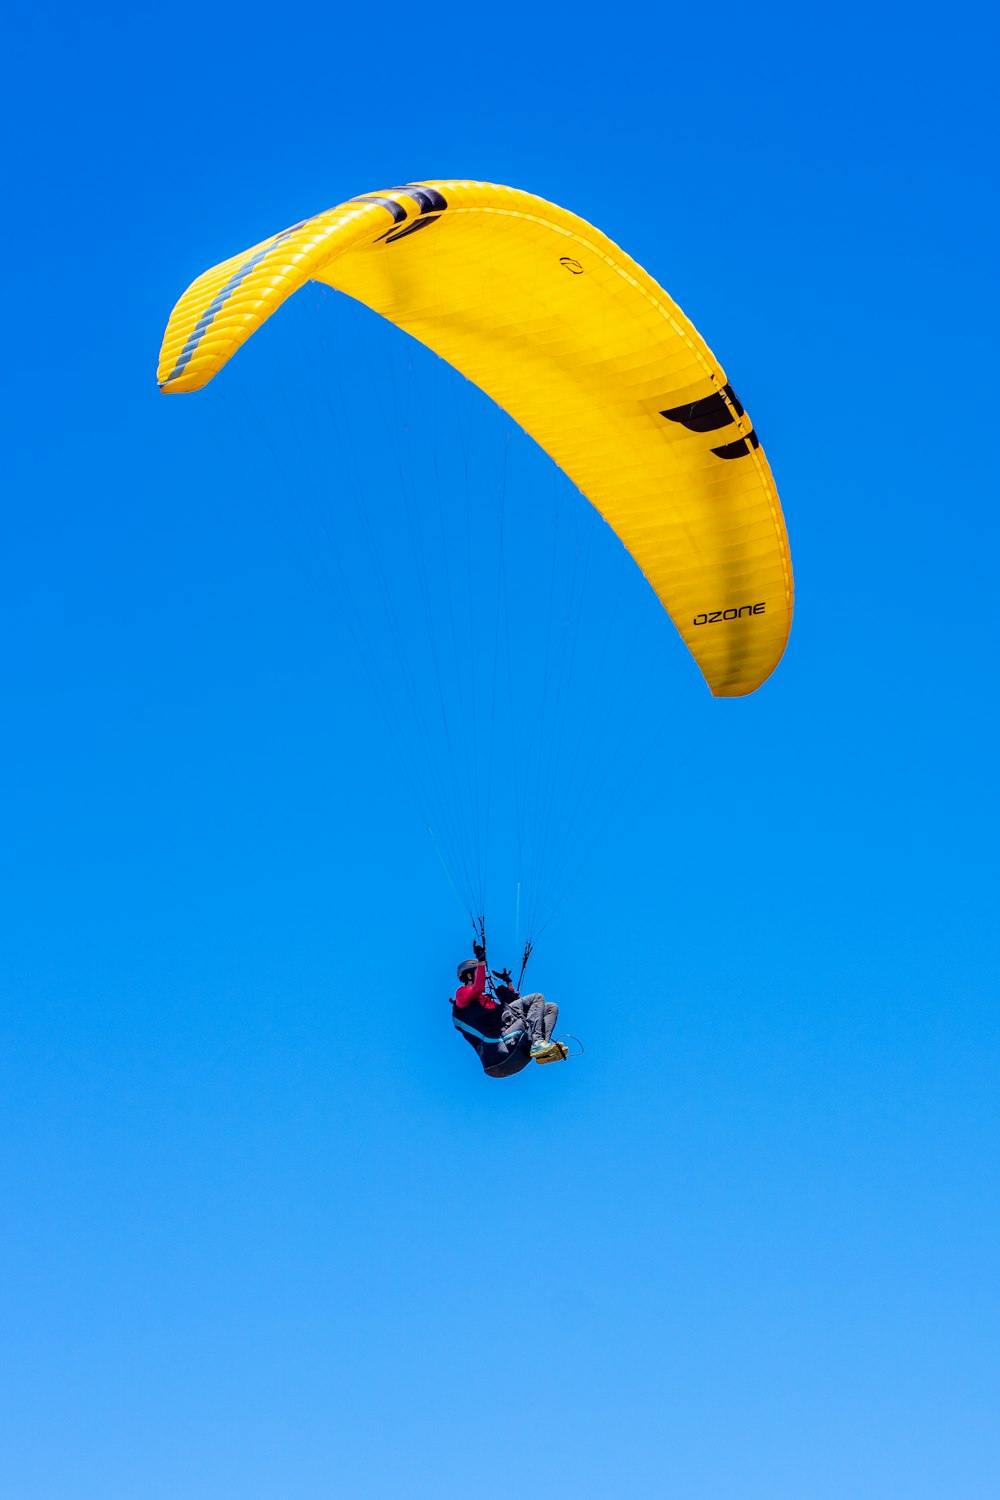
(505, 1029)
(581, 348)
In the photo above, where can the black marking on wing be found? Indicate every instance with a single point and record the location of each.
(739, 449)
(429, 199)
(411, 228)
(708, 414)
(396, 209)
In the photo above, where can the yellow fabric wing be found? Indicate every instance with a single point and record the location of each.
(583, 348)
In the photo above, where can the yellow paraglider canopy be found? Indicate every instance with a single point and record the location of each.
(583, 348)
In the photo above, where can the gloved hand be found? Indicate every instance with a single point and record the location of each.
(479, 951)
(504, 977)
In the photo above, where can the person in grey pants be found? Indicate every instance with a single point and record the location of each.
(506, 1032)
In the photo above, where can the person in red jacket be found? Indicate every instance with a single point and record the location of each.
(509, 1030)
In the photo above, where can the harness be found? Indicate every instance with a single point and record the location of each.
(492, 1041)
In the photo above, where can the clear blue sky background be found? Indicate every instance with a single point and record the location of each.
(267, 1232)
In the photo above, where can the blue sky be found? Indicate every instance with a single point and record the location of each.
(267, 1232)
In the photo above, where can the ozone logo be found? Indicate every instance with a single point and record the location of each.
(711, 616)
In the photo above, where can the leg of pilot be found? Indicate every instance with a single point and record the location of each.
(542, 1016)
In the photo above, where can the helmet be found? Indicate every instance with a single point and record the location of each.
(470, 964)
